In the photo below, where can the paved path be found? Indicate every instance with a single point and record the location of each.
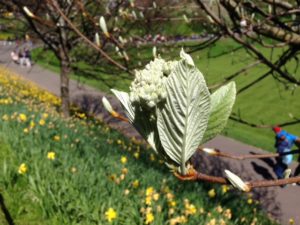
(281, 203)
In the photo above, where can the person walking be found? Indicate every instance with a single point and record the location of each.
(284, 141)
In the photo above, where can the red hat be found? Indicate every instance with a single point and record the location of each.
(277, 129)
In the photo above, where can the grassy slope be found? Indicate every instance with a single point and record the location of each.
(267, 103)
(84, 180)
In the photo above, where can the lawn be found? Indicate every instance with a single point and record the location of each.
(56, 171)
(268, 102)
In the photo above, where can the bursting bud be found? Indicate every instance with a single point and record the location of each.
(103, 26)
(28, 12)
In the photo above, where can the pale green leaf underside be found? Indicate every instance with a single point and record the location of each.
(143, 126)
(183, 119)
(222, 102)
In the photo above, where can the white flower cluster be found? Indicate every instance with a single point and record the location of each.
(148, 87)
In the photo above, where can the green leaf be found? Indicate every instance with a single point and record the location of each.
(182, 120)
(222, 102)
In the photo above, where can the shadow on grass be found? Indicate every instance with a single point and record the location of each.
(5, 211)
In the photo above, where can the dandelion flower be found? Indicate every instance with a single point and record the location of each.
(51, 155)
(225, 188)
(149, 191)
(149, 218)
(56, 138)
(249, 201)
(22, 168)
(135, 184)
(123, 160)
(42, 122)
(22, 117)
(110, 214)
(212, 193)
(190, 209)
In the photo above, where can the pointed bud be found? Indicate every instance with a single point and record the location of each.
(210, 19)
(142, 15)
(237, 182)
(154, 5)
(125, 56)
(97, 40)
(103, 26)
(154, 52)
(209, 151)
(107, 105)
(131, 3)
(186, 19)
(28, 12)
(269, 9)
(134, 15)
(122, 41)
(287, 173)
(186, 57)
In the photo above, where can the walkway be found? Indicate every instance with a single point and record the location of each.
(281, 203)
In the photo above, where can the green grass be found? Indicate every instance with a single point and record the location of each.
(266, 103)
(85, 178)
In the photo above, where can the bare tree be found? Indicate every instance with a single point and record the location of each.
(257, 26)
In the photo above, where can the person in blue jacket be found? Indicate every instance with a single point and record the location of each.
(284, 141)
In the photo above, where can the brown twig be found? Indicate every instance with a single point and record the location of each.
(74, 28)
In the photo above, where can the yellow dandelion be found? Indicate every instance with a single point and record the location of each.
(5, 117)
(22, 117)
(172, 203)
(148, 200)
(56, 138)
(249, 201)
(126, 192)
(291, 221)
(123, 160)
(149, 191)
(22, 168)
(225, 188)
(42, 122)
(110, 214)
(212, 193)
(45, 115)
(51, 155)
(152, 157)
(149, 218)
(190, 209)
(227, 213)
(155, 197)
(32, 124)
(124, 171)
(73, 169)
(135, 184)
(136, 155)
(219, 209)
(26, 130)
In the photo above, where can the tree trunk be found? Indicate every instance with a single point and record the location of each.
(65, 69)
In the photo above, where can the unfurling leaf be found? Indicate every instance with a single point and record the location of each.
(222, 102)
(143, 125)
(183, 119)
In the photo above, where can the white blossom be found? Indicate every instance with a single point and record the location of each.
(148, 88)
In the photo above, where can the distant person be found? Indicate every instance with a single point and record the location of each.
(27, 56)
(14, 56)
(22, 57)
(284, 142)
